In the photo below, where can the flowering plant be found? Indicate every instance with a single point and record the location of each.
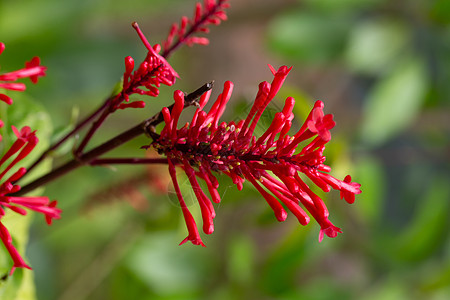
(274, 163)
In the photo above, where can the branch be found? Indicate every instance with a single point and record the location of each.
(127, 161)
(85, 159)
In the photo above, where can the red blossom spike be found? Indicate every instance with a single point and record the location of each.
(150, 74)
(271, 163)
(32, 70)
(348, 191)
(7, 241)
(321, 124)
(26, 141)
(193, 236)
(212, 12)
(134, 104)
(278, 209)
(176, 112)
(206, 207)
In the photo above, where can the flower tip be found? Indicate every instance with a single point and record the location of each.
(331, 231)
(283, 70)
(157, 48)
(24, 265)
(6, 99)
(228, 85)
(272, 69)
(178, 95)
(2, 47)
(129, 64)
(281, 215)
(320, 235)
(183, 241)
(196, 241)
(208, 228)
(319, 104)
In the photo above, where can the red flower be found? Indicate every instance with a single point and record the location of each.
(151, 73)
(272, 163)
(32, 70)
(212, 12)
(26, 141)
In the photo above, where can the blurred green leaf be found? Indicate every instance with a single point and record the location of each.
(394, 102)
(280, 268)
(375, 45)
(164, 267)
(429, 227)
(388, 288)
(308, 37)
(439, 278)
(241, 254)
(371, 176)
(440, 11)
(333, 6)
(320, 289)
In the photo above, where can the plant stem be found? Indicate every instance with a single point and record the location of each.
(128, 160)
(114, 101)
(77, 128)
(144, 127)
(192, 30)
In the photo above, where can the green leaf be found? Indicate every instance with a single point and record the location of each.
(334, 6)
(290, 255)
(440, 11)
(371, 176)
(394, 102)
(240, 259)
(430, 225)
(375, 45)
(307, 36)
(167, 270)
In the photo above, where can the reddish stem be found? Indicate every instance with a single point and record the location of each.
(88, 157)
(128, 161)
(194, 28)
(77, 128)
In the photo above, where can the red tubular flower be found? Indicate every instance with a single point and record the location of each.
(272, 163)
(150, 74)
(32, 70)
(26, 141)
(212, 12)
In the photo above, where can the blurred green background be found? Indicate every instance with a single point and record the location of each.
(381, 67)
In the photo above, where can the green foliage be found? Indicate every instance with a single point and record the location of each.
(294, 35)
(394, 102)
(429, 227)
(375, 45)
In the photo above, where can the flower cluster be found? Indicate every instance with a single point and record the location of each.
(155, 70)
(271, 163)
(150, 74)
(212, 13)
(25, 143)
(32, 70)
